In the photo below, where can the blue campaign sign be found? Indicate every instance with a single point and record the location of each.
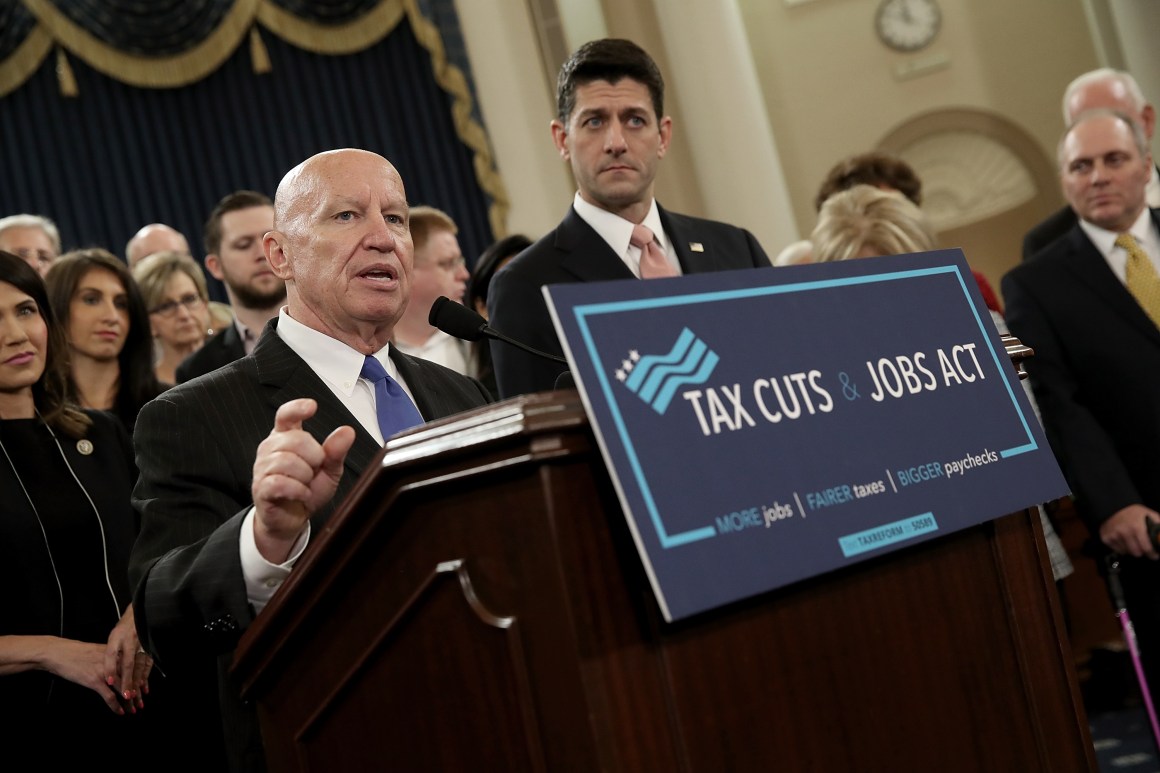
(769, 425)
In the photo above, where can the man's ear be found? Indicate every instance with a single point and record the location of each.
(666, 129)
(1148, 121)
(272, 245)
(213, 264)
(560, 138)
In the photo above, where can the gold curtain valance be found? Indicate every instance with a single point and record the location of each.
(53, 28)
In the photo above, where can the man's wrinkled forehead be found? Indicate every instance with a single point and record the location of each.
(329, 178)
(1097, 136)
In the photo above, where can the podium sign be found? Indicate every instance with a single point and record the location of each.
(768, 425)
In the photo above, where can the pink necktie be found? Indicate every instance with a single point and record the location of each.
(653, 262)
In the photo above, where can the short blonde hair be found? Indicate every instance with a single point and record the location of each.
(869, 218)
(154, 272)
(426, 221)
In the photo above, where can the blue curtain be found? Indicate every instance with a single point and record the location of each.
(116, 157)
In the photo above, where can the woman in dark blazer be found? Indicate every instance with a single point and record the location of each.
(71, 667)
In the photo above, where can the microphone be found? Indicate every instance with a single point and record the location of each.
(457, 320)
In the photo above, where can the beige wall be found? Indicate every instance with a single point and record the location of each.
(516, 103)
(833, 89)
(829, 87)
(1136, 23)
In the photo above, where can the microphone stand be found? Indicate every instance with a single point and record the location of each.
(457, 320)
(491, 332)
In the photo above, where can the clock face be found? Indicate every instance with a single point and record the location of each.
(907, 25)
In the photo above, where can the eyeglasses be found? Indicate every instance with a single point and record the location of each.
(450, 265)
(192, 302)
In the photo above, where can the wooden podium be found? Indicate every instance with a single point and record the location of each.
(478, 604)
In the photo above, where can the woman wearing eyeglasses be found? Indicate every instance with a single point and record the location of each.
(111, 356)
(173, 287)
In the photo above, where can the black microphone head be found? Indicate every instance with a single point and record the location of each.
(455, 319)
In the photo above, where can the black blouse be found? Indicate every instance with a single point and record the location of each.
(66, 529)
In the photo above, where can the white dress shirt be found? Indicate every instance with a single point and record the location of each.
(617, 232)
(1117, 257)
(441, 349)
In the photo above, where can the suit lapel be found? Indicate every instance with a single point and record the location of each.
(681, 241)
(428, 399)
(584, 254)
(232, 346)
(287, 377)
(694, 246)
(430, 394)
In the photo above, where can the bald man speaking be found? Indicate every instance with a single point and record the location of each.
(237, 467)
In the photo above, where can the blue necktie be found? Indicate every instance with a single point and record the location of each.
(395, 410)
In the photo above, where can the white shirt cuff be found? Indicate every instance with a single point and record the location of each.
(262, 577)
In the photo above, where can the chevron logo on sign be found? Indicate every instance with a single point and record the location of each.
(655, 378)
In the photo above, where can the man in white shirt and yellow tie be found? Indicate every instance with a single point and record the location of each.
(1089, 305)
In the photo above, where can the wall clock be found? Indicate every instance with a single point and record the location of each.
(907, 25)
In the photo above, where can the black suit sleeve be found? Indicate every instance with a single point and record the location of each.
(756, 253)
(516, 308)
(191, 496)
(1087, 454)
(1046, 232)
(184, 370)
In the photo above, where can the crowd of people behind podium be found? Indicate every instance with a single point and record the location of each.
(88, 338)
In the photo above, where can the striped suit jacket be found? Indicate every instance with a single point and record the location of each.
(195, 447)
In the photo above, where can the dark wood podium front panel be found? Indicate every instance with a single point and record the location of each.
(479, 605)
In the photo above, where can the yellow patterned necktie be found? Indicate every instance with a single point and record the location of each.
(1141, 278)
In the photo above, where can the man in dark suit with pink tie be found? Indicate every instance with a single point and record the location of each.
(238, 467)
(611, 128)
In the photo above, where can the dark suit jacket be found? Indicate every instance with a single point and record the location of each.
(56, 555)
(1056, 225)
(195, 448)
(574, 252)
(1095, 370)
(106, 476)
(222, 349)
